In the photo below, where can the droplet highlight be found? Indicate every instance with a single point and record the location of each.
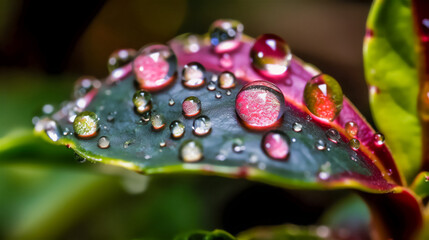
(354, 144)
(225, 35)
(378, 139)
(297, 127)
(157, 121)
(351, 129)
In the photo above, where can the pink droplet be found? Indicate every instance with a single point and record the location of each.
(276, 145)
(225, 61)
(191, 106)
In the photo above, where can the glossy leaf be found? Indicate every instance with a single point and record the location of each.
(287, 232)
(420, 185)
(205, 235)
(391, 72)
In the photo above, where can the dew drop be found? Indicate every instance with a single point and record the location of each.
(214, 78)
(103, 142)
(162, 144)
(145, 117)
(202, 125)
(271, 56)
(227, 80)
(50, 127)
(128, 143)
(191, 106)
(157, 121)
(211, 86)
(253, 158)
(225, 61)
(220, 157)
(378, 139)
(351, 129)
(86, 125)
(47, 109)
(354, 144)
(333, 135)
(228, 92)
(171, 102)
(238, 145)
(111, 116)
(276, 145)
(320, 145)
(193, 75)
(218, 95)
(325, 171)
(142, 101)
(120, 58)
(323, 96)
(85, 84)
(177, 129)
(191, 151)
(66, 131)
(225, 35)
(78, 158)
(260, 104)
(155, 67)
(192, 44)
(297, 127)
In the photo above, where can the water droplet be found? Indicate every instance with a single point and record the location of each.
(378, 139)
(211, 86)
(193, 75)
(354, 158)
(225, 35)
(157, 121)
(145, 117)
(220, 157)
(253, 158)
(333, 135)
(177, 129)
(128, 143)
(225, 61)
(47, 109)
(103, 142)
(323, 97)
(297, 127)
(78, 158)
(162, 144)
(228, 92)
(191, 151)
(155, 67)
(238, 145)
(354, 144)
(426, 178)
(171, 102)
(226, 80)
(142, 101)
(276, 145)
(50, 127)
(214, 78)
(260, 104)
(271, 56)
(351, 129)
(120, 58)
(85, 84)
(325, 171)
(192, 44)
(202, 125)
(320, 145)
(67, 131)
(85, 124)
(111, 116)
(218, 95)
(191, 106)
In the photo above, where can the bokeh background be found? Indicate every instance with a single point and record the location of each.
(46, 45)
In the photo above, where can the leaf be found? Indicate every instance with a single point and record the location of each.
(420, 185)
(205, 235)
(390, 63)
(286, 232)
(135, 145)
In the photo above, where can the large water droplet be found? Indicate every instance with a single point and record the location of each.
(193, 75)
(225, 35)
(351, 129)
(297, 127)
(333, 135)
(191, 151)
(142, 101)
(191, 106)
(354, 144)
(155, 67)
(323, 96)
(260, 104)
(157, 121)
(202, 125)
(378, 139)
(227, 80)
(177, 129)
(120, 58)
(85, 84)
(103, 142)
(85, 124)
(276, 145)
(271, 56)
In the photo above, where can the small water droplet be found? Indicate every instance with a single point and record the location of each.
(253, 158)
(192, 44)
(47, 109)
(162, 144)
(214, 78)
(333, 135)
(111, 116)
(225, 35)
(145, 117)
(218, 95)
(227, 80)
(211, 86)
(325, 171)
(293, 139)
(157, 121)
(351, 129)
(228, 92)
(354, 144)
(276, 145)
(323, 96)
(103, 142)
(225, 61)
(378, 139)
(86, 125)
(78, 158)
(238, 145)
(354, 158)
(120, 58)
(297, 127)
(191, 106)
(262, 165)
(128, 143)
(171, 102)
(191, 151)
(50, 127)
(193, 75)
(85, 84)
(142, 101)
(202, 125)
(155, 67)
(271, 56)
(320, 145)
(260, 104)
(177, 129)
(220, 157)
(67, 131)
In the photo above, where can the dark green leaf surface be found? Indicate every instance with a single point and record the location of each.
(205, 235)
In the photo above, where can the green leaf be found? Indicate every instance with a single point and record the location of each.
(286, 232)
(391, 71)
(205, 235)
(420, 185)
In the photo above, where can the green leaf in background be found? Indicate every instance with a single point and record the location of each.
(286, 232)
(420, 185)
(390, 63)
(205, 235)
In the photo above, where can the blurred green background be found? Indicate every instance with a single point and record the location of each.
(46, 45)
